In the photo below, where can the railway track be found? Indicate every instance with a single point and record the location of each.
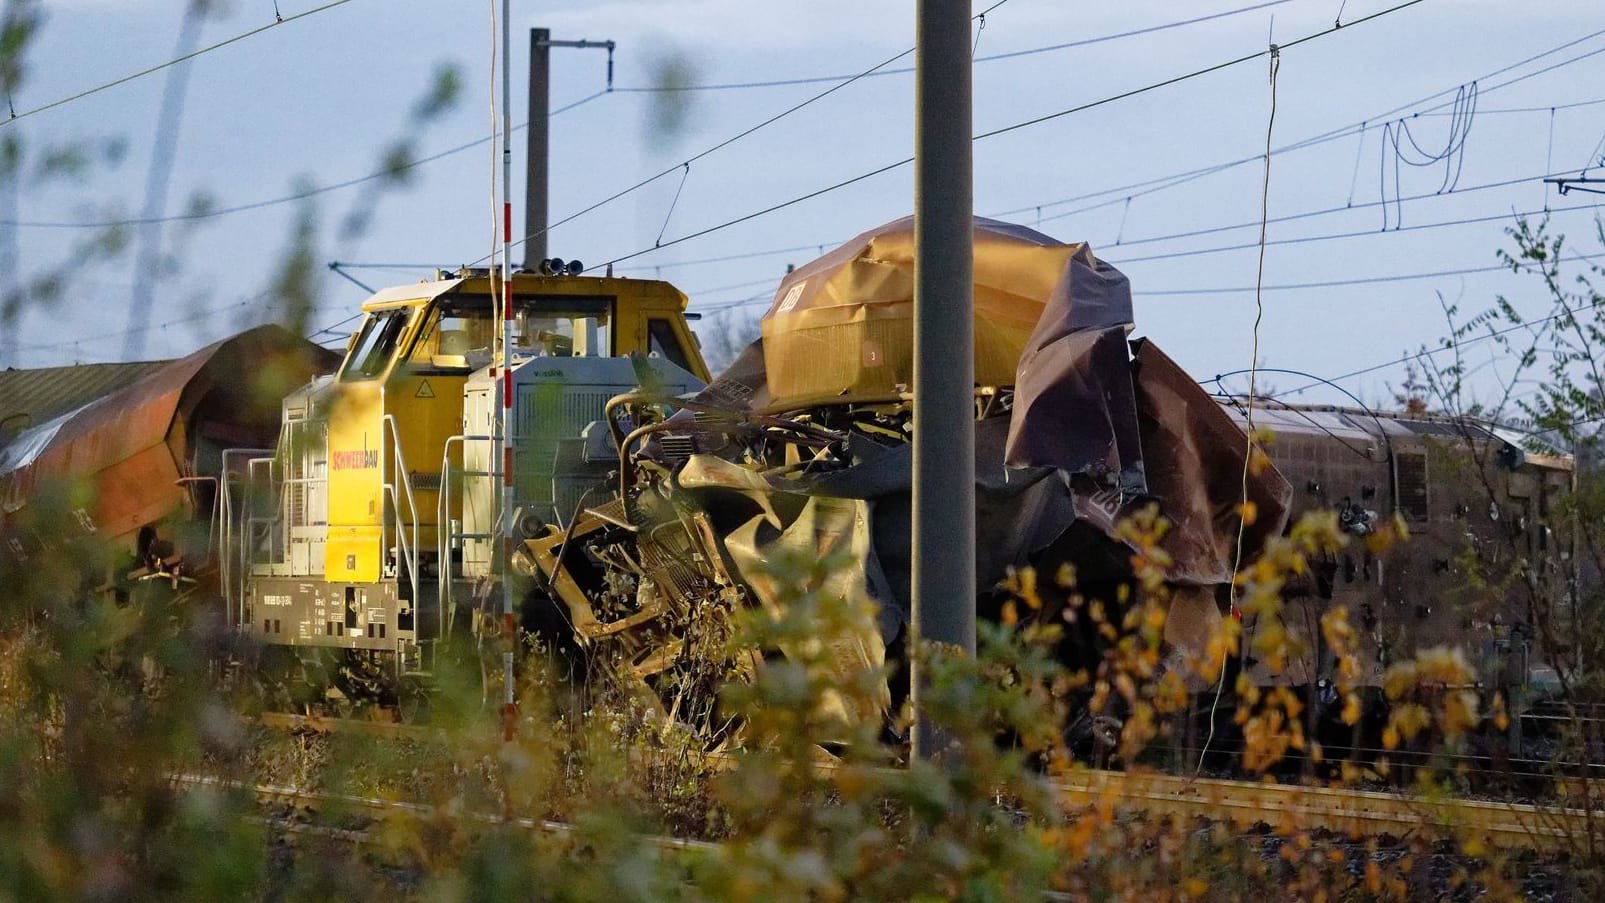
(1245, 804)
(1357, 813)
(378, 809)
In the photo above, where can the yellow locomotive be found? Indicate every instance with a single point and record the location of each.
(378, 510)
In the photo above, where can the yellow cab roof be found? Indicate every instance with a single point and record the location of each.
(646, 293)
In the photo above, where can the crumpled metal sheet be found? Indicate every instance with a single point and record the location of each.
(1020, 511)
(742, 386)
(825, 527)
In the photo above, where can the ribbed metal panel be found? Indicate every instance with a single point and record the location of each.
(667, 557)
(50, 391)
(545, 413)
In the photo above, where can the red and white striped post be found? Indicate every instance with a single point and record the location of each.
(506, 531)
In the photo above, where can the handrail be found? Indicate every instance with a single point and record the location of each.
(251, 521)
(408, 549)
(443, 534)
(227, 548)
(293, 435)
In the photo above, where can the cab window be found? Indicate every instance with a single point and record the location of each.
(459, 336)
(665, 344)
(565, 326)
(375, 345)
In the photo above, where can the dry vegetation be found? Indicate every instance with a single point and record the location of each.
(106, 702)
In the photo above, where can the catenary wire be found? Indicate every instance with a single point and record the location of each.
(1168, 180)
(1327, 211)
(881, 66)
(791, 249)
(685, 164)
(239, 208)
(148, 327)
(1132, 189)
(1362, 233)
(173, 62)
(288, 198)
(1401, 277)
(1335, 283)
(1428, 352)
(1084, 42)
(1330, 135)
(1006, 129)
(1186, 176)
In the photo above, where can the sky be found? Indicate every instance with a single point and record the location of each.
(316, 100)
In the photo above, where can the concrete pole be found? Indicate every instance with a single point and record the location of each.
(944, 345)
(540, 71)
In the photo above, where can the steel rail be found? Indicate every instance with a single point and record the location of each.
(315, 800)
(1358, 813)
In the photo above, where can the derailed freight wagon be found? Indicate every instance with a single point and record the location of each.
(134, 462)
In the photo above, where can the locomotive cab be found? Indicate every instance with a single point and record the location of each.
(382, 500)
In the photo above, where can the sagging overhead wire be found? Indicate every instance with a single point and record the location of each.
(1596, 157)
(1327, 211)
(278, 20)
(1406, 150)
(1124, 95)
(1159, 183)
(1245, 507)
(1220, 379)
(1236, 400)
